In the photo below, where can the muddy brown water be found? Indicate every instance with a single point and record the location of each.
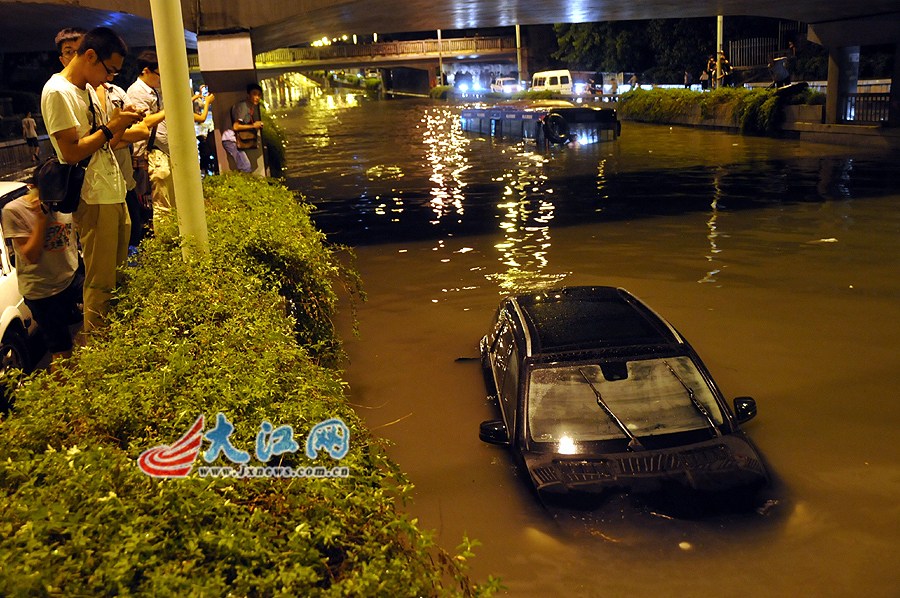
(777, 259)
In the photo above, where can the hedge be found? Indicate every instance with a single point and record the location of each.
(752, 110)
(219, 334)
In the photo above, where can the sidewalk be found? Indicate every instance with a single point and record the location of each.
(15, 158)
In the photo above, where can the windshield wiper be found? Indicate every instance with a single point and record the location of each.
(697, 404)
(633, 443)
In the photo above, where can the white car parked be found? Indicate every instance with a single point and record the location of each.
(507, 85)
(16, 322)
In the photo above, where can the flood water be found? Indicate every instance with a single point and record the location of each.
(778, 260)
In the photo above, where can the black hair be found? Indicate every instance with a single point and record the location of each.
(104, 41)
(147, 60)
(69, 34)
(254, 87)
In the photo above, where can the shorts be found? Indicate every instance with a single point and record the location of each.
(56, 313)
(32, 142)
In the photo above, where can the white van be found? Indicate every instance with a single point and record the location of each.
(562, 81)
(558, 81)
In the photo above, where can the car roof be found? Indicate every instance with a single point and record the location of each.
(9, 190)
(590, 318)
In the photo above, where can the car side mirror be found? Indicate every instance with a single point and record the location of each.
(744, 409)
(493, 432)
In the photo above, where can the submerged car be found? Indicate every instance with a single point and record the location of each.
(597, 392)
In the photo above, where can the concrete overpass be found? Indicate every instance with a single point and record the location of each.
(25, 26)
(387, 54)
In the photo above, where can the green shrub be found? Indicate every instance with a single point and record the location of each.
(78, 517)
(753, 111)
(273, 142)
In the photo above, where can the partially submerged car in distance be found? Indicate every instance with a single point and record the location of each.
(597, 392)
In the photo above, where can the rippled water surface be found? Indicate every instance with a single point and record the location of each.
(778, 260)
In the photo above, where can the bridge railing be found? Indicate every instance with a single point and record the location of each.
(862, 108)
(466, 45)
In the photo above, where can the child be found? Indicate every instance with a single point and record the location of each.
(46, 267)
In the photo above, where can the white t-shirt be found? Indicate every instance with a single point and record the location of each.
(65, 106)
(55, 269)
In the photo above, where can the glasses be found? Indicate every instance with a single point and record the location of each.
(110, 72)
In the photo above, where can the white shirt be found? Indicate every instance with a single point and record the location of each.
(144, 97)
(65, 106)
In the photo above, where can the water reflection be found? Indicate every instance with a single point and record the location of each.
(712, 233)
(804, 321)
(445, 151)
(525, 212)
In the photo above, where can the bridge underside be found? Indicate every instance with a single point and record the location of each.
(31, 26)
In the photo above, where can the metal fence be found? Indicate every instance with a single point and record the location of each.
(756, 51)
(865, 107)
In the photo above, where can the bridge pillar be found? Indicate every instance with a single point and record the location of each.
(843, 74)
(228, 66)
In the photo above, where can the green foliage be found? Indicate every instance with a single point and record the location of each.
(78, 517)
(753, 111)
(440, 92)
(808, 96)
(273, 141)
(660, 49)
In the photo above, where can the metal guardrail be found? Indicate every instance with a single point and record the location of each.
(865, 107)
(448, 47)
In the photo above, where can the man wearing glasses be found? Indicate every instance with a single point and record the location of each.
(112, 96)
(79, 128)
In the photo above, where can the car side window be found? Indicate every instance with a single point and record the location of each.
(564, 80)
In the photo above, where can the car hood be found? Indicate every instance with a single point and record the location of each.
(715, 465)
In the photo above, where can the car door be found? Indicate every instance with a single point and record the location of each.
(505, 370)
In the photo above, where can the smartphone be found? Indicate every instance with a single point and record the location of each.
(204, 90)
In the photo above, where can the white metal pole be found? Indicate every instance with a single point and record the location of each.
(440, 59)
(519, 53)
(720, 20)
(168, 29)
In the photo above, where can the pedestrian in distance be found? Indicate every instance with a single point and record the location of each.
(724, 72)
(246, 125)
(29, 132)
(153, 170)
(47, 273)
(712, 69)
(79, 128)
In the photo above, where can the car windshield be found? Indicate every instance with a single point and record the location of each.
(650, 397)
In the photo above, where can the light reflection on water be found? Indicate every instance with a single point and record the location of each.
(778, 260)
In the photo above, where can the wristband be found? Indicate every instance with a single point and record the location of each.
(106, 132)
